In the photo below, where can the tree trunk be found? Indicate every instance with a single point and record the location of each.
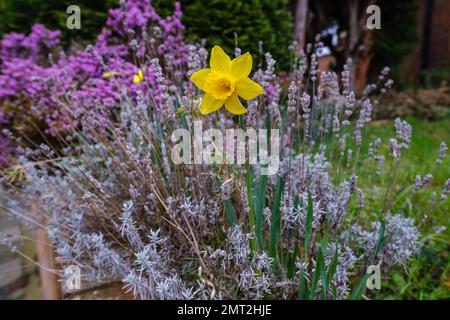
(364, 62)
(301, 17)
(353, 36)
(353, 25)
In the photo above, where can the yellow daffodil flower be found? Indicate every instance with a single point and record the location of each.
(138, 77)
(111, 74)
(224, 81)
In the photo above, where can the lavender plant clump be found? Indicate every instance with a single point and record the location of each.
(113, 203)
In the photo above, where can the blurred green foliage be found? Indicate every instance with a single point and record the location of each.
(20, 15)
(436, 77)
(216, 21)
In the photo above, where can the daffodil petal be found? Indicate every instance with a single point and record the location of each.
(199, 78)
(136, 79)
(234, 106)
(111, 74)
(241, 66)
(248, 89)
(209, 104)
(219, 60)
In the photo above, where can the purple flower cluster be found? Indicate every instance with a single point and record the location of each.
(37, 74)
(17, 45)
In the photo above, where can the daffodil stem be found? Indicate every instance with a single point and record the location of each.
(251, 212)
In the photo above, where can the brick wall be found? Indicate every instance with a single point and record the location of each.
(438, 52)
(438, 49)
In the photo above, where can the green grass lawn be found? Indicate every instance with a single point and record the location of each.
(427, 274)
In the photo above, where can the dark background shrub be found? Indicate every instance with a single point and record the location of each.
(20, 15)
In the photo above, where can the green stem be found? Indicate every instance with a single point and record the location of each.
(251, 212)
